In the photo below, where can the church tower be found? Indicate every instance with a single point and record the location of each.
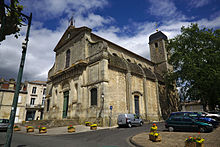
(158, 52)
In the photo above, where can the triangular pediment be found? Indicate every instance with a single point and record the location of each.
(69, 34)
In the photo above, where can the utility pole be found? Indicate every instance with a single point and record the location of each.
(19, 78)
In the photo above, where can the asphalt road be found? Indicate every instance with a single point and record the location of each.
(116, 137)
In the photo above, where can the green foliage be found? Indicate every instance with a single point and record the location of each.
(195, 56)
(10, 20)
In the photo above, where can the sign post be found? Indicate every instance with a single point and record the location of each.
(110, 117)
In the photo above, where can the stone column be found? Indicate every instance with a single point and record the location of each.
(103, 113)
(158, 100)
(128, 93)
(145, 97)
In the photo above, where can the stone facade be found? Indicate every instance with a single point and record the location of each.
(90, 74)
(7, 89)
(36, 93)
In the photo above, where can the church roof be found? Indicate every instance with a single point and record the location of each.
(70, 33)
(156, 36)
(124, 49)
(121, 64)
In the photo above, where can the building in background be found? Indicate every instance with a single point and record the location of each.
(36, 91)
(7, 89)
(193, 106)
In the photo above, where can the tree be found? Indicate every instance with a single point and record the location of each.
(195, 57)
(10, 20)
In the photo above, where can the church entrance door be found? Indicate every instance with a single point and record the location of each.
(136, 104)
(65, 103)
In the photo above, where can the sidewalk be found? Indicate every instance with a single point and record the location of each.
(62, 130)
(176, 139)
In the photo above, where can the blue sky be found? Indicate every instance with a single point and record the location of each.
(127, 23)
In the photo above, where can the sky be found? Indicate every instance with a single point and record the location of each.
(128, 23)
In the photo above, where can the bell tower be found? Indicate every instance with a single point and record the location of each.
(158, 52)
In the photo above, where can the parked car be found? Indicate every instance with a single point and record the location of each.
(214, 114)
(129, 120)
(180, 121)
(201, 118)
(4, 124)
(211, 114)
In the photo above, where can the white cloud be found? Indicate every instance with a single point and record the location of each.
(48, 9)
(39, 57)
(92, 20)
(214, 23)
(165, 9)
(198, 3)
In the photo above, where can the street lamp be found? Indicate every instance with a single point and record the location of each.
(102, 96)
(19, 78)
(102, 106)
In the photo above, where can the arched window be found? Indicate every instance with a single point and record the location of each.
(128, 60)
(114, 54)
(156, 45)
(93, 92)
(67, 58)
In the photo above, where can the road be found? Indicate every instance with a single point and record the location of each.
(116, 137)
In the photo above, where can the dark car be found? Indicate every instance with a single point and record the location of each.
(199, 117)
(180, 121)
(4, 124)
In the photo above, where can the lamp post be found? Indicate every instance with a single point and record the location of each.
(19, 78)
(102, 96)
(102, 107)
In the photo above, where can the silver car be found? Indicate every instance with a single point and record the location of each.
(4, 124)
(129, 120)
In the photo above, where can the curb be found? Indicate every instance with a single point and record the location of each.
(134, 143)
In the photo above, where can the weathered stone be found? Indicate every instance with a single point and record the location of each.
(107, 72)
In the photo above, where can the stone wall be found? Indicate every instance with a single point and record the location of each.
(51, 123)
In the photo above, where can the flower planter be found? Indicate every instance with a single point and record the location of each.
(190, 144)
(194, 142)
(71, 130)
(87, 123)
(155, 138)
(93, 127)
(200, 145)
(30, 130)
(17, 129)
(43, 131)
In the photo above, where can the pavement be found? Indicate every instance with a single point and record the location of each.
(62, 130)
(176, 139)
(169, 139)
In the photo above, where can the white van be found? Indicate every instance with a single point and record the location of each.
(129, 120)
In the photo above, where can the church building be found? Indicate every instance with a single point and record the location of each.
(95, 80)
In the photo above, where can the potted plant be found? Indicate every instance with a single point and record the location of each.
(93, 127)
(200, 142)
(42, 129)
(194, 142)
(30, 129)
(87, 123)
(16, 128)
(154, 135)
(71, 128)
